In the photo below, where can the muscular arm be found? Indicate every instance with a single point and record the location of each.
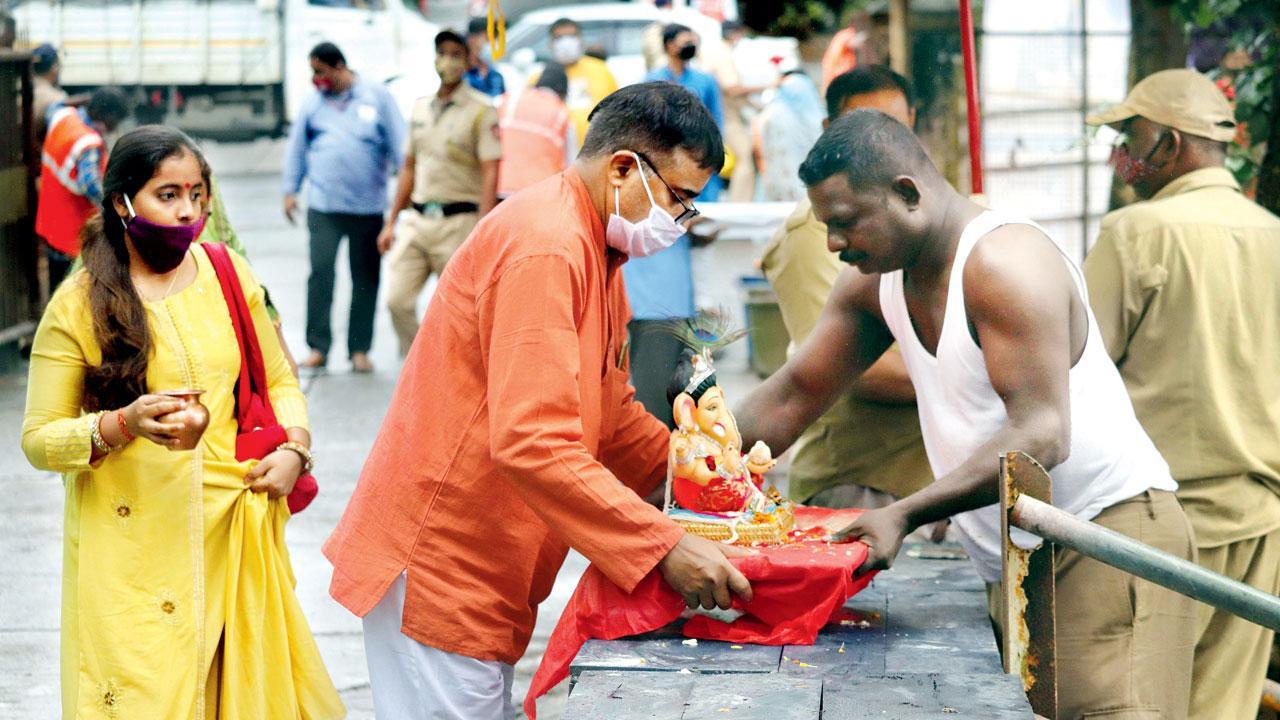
(1029, 319)
(849, 336)
(887, 381)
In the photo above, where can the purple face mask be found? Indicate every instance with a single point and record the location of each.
(161, 247)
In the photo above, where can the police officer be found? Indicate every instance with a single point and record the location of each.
(449, 178)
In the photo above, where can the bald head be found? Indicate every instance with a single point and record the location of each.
(869, 148)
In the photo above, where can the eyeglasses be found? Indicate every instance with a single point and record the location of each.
(690, 212)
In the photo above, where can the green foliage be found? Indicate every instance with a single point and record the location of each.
(1255, 85)
(802, 18)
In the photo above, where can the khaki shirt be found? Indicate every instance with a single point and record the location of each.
(856, 442)
(449, 139)
(1186, 289)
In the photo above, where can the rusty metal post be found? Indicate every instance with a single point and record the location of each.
(1027, 607)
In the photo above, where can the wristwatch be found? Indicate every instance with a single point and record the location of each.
(303, 452)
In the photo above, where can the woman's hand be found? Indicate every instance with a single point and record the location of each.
(276, 474)
(143, 418)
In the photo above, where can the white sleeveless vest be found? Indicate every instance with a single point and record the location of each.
(1112, 459)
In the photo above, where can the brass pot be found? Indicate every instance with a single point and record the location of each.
(193, 415)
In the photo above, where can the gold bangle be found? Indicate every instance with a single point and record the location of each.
(95, 434)
(302, 451)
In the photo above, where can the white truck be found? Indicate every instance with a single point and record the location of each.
(228, 68)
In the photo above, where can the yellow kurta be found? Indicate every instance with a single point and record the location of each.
(178, 596)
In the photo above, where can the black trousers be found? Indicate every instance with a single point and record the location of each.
(654, 356)
(327, 231)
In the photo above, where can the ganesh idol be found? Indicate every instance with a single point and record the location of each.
(714, 490)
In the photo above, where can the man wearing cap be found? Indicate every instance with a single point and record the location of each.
(46, 93)
(449, 178)
(1186, 289)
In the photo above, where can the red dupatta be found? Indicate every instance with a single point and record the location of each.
(260, 433)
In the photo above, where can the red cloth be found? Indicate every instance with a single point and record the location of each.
(260, 434)
(797, 588)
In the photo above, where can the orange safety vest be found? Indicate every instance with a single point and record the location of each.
(534, 127)
(62, 212)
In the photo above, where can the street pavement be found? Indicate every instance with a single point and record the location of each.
(346, 410)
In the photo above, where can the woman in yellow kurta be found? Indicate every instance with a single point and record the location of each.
(178, 597)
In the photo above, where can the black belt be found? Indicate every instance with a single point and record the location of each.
(435, 209)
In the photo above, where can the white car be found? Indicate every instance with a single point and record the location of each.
(619, 28)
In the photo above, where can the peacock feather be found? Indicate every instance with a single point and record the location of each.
(710, 331)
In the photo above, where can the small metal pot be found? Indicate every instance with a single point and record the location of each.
(193, 415)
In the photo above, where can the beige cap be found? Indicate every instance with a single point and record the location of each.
(1181, 99)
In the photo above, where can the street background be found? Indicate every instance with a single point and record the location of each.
(346, 410)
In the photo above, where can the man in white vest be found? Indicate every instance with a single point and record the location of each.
(994, 326)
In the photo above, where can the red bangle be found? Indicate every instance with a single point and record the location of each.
(124, 429)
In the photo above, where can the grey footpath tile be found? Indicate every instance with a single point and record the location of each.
(619, 695)
(920, 696)
(672, 655)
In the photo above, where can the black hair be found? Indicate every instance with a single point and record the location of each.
(449, 36)
(119, 318)
(565, 22)
(478, 25)
(864, 80)
(653, 119)
(554, 79)
(870, 148)
(328, 54)
(681, 376)
(671, 31)
(108, 105)
(730, 27)
(44, 63)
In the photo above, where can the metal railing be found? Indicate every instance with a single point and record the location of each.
(1027, 588)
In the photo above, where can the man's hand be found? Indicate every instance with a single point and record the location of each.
(882, 531)
(387, 237)
(290, 207)
(699, 570)
(702, 238)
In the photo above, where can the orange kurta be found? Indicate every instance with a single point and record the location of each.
(513, 435)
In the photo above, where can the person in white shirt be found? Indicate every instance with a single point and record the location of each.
(994, 326)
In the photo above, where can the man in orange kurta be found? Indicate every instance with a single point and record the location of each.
(513, 434)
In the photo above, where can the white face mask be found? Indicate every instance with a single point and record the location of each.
(567, 49)
(657, 232)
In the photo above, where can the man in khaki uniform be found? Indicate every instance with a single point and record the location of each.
(866, 450)
(1186, 289)
(449, 178)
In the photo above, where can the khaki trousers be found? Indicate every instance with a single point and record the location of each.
(1232, 653)
(424, 247)
(1124, 644)
(742, 183)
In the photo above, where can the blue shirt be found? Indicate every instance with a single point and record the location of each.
(486, 80)
(698, 83)
(661, 286)
(345, 146)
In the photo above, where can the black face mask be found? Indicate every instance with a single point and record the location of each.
(688, 52)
